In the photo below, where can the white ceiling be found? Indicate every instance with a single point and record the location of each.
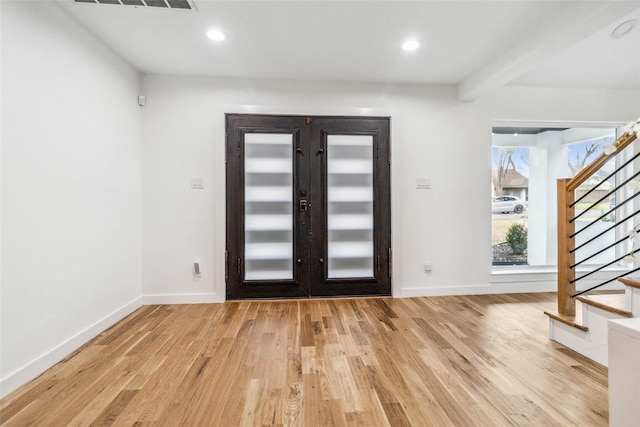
(478, 45)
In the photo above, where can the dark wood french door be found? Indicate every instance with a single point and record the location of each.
(308, 206)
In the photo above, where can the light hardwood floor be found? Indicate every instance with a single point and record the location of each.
(439, 361)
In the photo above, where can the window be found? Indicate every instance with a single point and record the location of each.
(526, 163)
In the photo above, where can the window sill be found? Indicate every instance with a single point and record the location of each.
(528, 273)
(525, 273)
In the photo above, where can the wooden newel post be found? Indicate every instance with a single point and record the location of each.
(566, 304)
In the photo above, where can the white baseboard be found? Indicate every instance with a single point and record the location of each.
(36, 367)
(182, 299)
(493, 288)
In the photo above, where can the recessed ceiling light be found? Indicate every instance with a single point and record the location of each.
(217, 35)
(623, 29)
(411, 44)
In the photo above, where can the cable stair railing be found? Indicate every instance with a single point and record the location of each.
(596, 245)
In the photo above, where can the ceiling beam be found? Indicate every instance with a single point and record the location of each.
(555, 36)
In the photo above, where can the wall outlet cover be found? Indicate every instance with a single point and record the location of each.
(197, 182)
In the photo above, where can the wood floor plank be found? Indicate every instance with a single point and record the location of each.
(480, 360)
(113, 410)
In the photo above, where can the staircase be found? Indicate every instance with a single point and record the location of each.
(595, 242)
(587, 331)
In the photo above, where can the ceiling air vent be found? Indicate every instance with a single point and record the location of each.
(170, 4)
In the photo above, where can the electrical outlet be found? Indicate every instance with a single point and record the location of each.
(197, 183)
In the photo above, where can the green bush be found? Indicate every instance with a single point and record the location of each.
(517, 238)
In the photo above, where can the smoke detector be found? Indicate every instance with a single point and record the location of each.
(169, 4)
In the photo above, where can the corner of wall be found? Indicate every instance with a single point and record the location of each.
(43, 362)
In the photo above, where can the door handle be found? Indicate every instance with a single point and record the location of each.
(304, 206)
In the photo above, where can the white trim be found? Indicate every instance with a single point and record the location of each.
(500, 288)
(544, 277)
(518, 274)
(556, 124)
(37, 366)
(165, 299)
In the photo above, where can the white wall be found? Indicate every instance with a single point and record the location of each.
(71, 189)
(77, 184)
(434, 136)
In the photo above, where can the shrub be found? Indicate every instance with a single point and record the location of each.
(517, 238)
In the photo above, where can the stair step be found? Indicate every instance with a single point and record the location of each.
(631, 282)
(611, 302)
(574, 321)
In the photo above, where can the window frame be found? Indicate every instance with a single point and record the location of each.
(543, 272)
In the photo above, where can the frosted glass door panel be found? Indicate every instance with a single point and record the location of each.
(268, 221)
(350, 206)
(308, 208)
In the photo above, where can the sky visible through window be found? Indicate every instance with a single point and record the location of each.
(520, 159)
(592, 148)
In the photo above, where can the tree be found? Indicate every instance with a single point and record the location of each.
(581, 157)
(502, 163)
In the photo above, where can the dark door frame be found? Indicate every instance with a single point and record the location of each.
(310, 270)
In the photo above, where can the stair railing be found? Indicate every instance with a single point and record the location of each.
(592, 246)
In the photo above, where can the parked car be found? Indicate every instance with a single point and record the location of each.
(507, 204)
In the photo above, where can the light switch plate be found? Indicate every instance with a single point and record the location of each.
(423, 183)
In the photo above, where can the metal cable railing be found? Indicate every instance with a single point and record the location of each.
(602, 247)
(605, 179)
(613, 279)
(611, 192)
(602, 267)
(598, 219)
(602, 233)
